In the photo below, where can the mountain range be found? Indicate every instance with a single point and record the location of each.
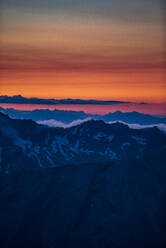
(23, 100)
(91, 185)
(89, 142)
(70, 116)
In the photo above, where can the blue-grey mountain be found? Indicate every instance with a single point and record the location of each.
(92, 185)
(70, 116)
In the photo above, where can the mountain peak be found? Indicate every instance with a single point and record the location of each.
(90, 141)
(4, 116)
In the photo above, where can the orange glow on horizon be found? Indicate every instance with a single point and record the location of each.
(75, 56)
(126, 87)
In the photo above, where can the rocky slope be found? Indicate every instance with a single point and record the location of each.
(92, 197)
(25, 143)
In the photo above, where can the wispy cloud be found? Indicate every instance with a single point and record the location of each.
(54, 123)
(138, 126)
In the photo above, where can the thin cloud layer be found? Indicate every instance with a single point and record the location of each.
(54, 123)
(138, 126)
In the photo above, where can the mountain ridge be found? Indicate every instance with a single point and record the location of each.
(34, 100)
(91, 141)
(92, 185)
(68, 116)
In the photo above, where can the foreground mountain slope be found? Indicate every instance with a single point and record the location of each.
(90, 142)
(119, 204)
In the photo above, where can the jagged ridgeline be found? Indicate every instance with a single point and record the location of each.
(92, 185)
(90, 142)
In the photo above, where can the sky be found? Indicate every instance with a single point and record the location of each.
(109, 49)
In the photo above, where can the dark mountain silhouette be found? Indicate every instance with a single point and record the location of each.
(91, 141)
(93, 185)
(23, 100)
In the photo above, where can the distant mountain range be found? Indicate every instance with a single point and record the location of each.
(70, 116)
(23, 100)
(91, 141)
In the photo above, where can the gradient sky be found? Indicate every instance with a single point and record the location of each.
(109, 49)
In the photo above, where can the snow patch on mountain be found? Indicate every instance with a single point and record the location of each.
(110, 154)
(93, 140)
(62, 140)
(23, 144)
(86, 150)
(140, 140)
(36, 149)
(101, 135)
(110, 137)
(75, 148)
(51, 162)
(54, 146)
(161, 126)
(124, 145)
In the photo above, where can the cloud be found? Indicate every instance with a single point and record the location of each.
(59, 60)
(138, 126)
(54, 123)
